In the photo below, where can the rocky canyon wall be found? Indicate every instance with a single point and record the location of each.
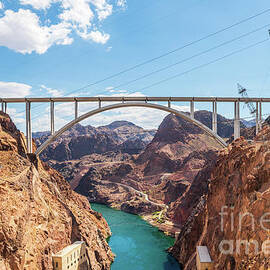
(39, 213)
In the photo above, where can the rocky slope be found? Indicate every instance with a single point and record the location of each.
(225, 126)
(240, 183)
(39, 213)
(81, 140)
(161, 174)
(100, 163)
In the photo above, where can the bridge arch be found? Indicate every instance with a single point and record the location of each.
(123, 105)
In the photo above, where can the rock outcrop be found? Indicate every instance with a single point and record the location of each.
(39, 213)
(81, 140)
(235, 208)
(159, 176)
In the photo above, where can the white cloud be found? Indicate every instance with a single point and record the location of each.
(21, 31)
(17, 117)
(147, 118)
(96, 36)
(52, 92)
(37, 4)
(121, 3)
(24, 32)
(103, 9)
(14, 89)
(78, 13)
(1, 5)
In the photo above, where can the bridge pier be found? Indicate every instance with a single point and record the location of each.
(76, 109)
(4, 107)
(258, 117)
(192, 108)
(99, 103)
(52, 117)
(28, 128)
(236, 120)
(214, 117)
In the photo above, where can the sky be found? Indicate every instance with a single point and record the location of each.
(51, 48)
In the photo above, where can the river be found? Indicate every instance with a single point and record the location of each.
(137, 245)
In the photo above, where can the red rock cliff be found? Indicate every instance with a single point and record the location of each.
(240, 183)
(39, 213)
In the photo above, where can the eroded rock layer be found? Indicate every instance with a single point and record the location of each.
(233, 210)
(39, 213)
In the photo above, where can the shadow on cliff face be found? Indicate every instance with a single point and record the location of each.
(240, 184)
(39, 213)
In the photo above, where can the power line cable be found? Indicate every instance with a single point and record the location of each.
(163, 55)
(197, 67)
(170, 52)
(193, 56)
(206, 64)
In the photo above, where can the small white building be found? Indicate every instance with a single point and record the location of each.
(72, 257)
(203, 259)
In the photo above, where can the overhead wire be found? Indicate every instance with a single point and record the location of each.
(163, 55)
(198, 67)
(193, 56)
(206, 64)
(170, 52)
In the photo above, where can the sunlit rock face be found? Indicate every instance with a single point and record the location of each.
(80, 141)
(164, 170)
(39, 213)
(239, 185)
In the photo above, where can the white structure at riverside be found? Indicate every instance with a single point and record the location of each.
(203, 259)
(72, 257)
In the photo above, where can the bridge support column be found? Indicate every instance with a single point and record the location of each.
(76, 109)
(260, 115)
(52, 117)
(28, 127)
(192, 109)
(169, 103)
(257, 117)
(4, 107)
(236, 120)
(99, 103)
(214, 117)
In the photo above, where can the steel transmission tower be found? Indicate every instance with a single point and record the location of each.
(243, 92)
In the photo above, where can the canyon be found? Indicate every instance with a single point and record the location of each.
(176, 177)
(139, 171)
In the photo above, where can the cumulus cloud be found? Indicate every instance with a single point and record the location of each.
(77, 12)
(24, 32)
(1, 5)
(121, 3)
(145, 117)
(103, 9)
(96, 36)
(14, 89)
(51, 92)
(21, 31)
(37, 4)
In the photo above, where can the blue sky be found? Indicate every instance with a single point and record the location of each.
(53, 47)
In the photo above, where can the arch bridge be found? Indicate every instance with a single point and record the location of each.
(122, 102)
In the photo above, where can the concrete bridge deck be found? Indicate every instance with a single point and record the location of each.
(150, 102)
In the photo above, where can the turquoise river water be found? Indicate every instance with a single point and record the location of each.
(137, 245)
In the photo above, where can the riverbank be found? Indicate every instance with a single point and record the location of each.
(136, 243)
(167, 227)
(156, 218)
